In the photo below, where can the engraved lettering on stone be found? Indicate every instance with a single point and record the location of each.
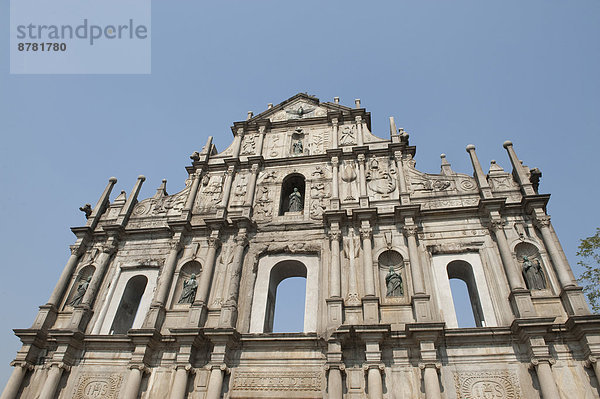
(98, 386)
(487, 385)
(278, 381)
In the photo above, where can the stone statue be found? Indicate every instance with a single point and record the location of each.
(188, 294)
(81, 289)
(534, 276)
(298, 148)
(87, 209)
(393, 282)
(296, 204)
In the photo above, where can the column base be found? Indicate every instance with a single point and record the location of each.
(228, 316)
(574, 301)
(155, 317)
(335, 310)
(421, 309)
(198, 314)
(522, 306)
(370, 305)
(334, 204)
(45, 318)
(80, 318)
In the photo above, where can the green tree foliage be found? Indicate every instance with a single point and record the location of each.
(589, 250)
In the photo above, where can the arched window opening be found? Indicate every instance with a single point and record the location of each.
(463, 293)
(292, 194)
(128, 307)
(290, 299)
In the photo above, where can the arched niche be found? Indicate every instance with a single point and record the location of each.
(466, 267)
(128, 306)
(291, 182)
(393, 259)
(534, 273)
(272, 269)
(84, 274)
(183, 275)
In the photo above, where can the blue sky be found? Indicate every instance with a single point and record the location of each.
(451, 73)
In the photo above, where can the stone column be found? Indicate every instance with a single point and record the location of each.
(76, 251)
(546, 380)
(201, 301)
(415, 267)
(261, 139)
(238, 142)
(166, 277)
(101, 265)
(189, 202)
(134, 380)
(51, 384)
(526, 185)
(431, 380)
(404, 194)
(481, 178)
(215, 382)
(181, 381)
(335, 163)
(361, 175)
(335, 288)
(228, 315)
(591, 362)
(252, 185)
(16, 378)
(334, 133)
(515, 279)
(334, 382)
(227, 186)
(374, 381)
(542, 222)
(369, 284)
(359, 131)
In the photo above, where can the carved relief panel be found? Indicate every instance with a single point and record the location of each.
(487, 385)
(92, 386)
(381, 176)
(210, 192)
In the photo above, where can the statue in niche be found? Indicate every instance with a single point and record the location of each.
(81, 289)
(378, 180)
(393, 282)
(297, 147)
(295, 201)
(534, 276)
(347, 136)
(188, 294)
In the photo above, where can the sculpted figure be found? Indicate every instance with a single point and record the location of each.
(393, 282)
(534, 276)
(296, 204)
(188, 294)
(81, 289)
(297, 147)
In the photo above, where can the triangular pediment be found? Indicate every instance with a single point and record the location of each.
(300, 106)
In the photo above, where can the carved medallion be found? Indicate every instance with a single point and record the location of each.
(98, 386)
(487, 385)
(278, 381)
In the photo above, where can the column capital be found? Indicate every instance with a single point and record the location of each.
(175, 244)
(361, 158)
(77, 249)
(22, 363)
(378, 366)
(335, 366)
(141, 367)
(60, 365)
(334, 121)
(214, 242)
(426, 365)
(188, 368)
(590, 361)
(222, 366)
(541, 221)
(536, 361)
(366, 233)
(496, 224)
(108, 248)
(241, 239)
(254, 169)
(335, 235)
(411, 230)
(335, 161)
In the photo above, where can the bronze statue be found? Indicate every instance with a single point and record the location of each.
(81, 289)
(393, 282)
(188, 294)
(295, 201)
(534, 276)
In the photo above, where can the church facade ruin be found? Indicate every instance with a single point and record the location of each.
(174, 295)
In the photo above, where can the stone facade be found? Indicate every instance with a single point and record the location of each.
(173, 296)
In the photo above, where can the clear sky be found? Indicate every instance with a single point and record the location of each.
(451, 73)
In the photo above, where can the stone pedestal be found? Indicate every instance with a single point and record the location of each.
(370, 306)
